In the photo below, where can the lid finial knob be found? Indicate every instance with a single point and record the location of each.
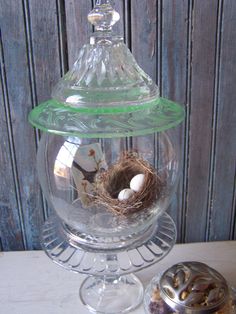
(103, 16)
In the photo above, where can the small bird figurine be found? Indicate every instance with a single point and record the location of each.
(88, 175)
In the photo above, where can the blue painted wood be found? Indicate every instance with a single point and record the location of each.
(201, 110)
(77, 27)
(174, 54)
(23, 145)
(144, 30)
(10, 222)
(224, 150)
(46, 51)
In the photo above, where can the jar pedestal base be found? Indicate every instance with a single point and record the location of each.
(111, 294)
(112, 288)
(60, 245)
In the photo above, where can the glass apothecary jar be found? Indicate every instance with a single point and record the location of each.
(108, 160)
(108, 165)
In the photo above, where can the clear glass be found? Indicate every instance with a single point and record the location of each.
(106, 291)
(105, 171)
(70, 170)
(62, 246)
(105, 75)
(112, 297)
(106, 93)
(155, 116)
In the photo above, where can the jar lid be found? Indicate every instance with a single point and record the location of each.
(54, 117)
(193, 287)
(103, 87)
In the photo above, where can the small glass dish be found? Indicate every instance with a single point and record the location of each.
(189, 288)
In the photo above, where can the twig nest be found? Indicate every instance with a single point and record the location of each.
(128, 186)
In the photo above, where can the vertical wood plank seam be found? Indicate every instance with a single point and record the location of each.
(29, 45)
(187, 121)
(127, 24)
(159, 72)
(6, 106)
(93, 3)
(62, 38)
(214, 118)
(33, 87)
(100, 140)
(233, 216)
(123, 21)
(128, 41)
(159, 42)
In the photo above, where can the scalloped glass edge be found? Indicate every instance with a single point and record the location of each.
(145, 111)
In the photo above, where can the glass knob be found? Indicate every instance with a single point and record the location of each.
(103, 16)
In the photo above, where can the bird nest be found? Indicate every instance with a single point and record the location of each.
(118, 177)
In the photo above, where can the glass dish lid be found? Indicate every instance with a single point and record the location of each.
(105, 94)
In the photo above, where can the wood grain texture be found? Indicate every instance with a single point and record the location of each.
(47, 51)
(120, 27)
(45, 46)
(233, 222)
(20, 103)
(10, 227)
(201, 109)
(144, 30)
(222, 211)
(10, 222)
(174, 55)
(62, 36)
(77, 26)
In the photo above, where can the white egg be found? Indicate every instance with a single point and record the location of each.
(125, 194)
(137, 182)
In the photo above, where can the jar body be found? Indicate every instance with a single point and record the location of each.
(68, 168)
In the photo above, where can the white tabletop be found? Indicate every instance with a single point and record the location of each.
(31, 284)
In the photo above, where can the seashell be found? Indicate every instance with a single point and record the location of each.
(202, 284)
(137, 182)
(214, 295)
(180, 278)
(194, 298)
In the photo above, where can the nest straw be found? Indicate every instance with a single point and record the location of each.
(118, 177)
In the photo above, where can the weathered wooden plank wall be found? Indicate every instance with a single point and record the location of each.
(187, 46)
(174, 85)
